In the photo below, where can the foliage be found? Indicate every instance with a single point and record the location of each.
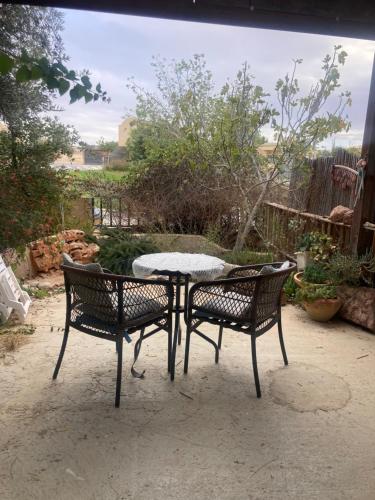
(347, 269)
(38, 30)
(176, 200)
(119, 248)
(247, 257)
(315, 273)
(311, 294)
(290, 288)
(108, 146)
(38, 293)
(189, 125)
(117, 166)
(319, 245)
(33, 192)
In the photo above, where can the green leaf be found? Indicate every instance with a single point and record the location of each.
(6, 63)
(23, 74)
(36, 73)
(99, 88)
(71, 75)
(52, 83)
(88, 97)
(63, 86)
(86, 82)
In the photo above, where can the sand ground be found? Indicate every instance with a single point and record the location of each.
(205, 436)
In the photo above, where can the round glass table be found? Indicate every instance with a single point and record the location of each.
(180, 268)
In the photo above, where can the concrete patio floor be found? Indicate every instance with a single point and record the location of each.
(205, 436)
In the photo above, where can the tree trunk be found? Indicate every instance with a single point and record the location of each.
(245, 229)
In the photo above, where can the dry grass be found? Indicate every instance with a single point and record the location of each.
(13, 338)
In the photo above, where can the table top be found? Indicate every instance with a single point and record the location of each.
(198, 265)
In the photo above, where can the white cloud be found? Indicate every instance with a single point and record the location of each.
(116, 47)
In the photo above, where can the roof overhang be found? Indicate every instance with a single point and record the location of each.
(326, 17)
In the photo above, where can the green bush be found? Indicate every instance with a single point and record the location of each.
(345, 269)
(313, 293)
(319, 245)
(315, 273)
(290, 288)
(247, 257)
(118, 249)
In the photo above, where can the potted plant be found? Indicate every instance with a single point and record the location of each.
(315, 274)
(321, 302)
(313, 246)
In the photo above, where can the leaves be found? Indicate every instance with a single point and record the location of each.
(23, 74)
(6, 63)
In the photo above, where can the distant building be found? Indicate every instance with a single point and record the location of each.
(267, 149)
(125, 129)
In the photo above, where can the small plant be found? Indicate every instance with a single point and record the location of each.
(319, 245)
(315, 273)
(247, 257)
(311, 294)
(290, 288)
(345, 269)
(37, 293)
(118, 249)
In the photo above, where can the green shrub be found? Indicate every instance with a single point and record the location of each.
(290, 288)
(345, 269)
(313, 293)
(319, 245)
(246, 257)
(315, 273)
(117, 165)
(119, 248)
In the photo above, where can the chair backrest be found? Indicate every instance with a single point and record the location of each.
(269, 291)
(94, 293)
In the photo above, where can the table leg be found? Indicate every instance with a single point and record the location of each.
(177, 329)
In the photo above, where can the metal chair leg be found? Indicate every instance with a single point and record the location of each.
(281, 338)
(119, 342)
(220, 336)
(255, 365)
(169, 347)
(187, 346)
(62, 350)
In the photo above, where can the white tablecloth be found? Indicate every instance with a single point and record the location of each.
(198, 265)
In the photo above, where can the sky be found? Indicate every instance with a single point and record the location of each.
(116, 47)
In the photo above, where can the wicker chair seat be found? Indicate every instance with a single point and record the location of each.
(227, 304)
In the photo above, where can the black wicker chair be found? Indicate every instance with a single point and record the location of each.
(113, 307)
(245, 301)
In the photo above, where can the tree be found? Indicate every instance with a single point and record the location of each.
(33, 192)
(187, 121)
(39, 29)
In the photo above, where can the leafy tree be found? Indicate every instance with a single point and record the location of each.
(188, 122)
(39, 29)
(32, 190)
(107, 146)
(33, 193)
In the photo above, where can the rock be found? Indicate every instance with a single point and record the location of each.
(47, 254)
(358, 306)
(337, 214)
(348, 217)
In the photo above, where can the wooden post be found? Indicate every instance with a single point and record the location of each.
(364, 211)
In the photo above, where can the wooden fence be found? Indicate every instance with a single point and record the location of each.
(314, 191)
(282, 227)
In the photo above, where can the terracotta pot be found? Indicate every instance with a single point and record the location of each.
(322, 309)
(298, 280)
